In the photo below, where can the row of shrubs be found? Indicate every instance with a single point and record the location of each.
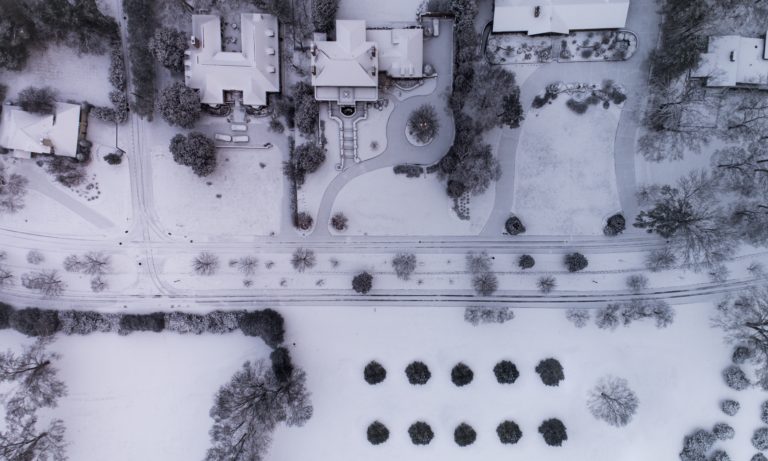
(266, 324)
(550, 370)
(509, 433)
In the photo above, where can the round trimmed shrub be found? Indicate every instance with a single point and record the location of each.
(576, 262)
(509, 432)
(730, 407)
(526, 262)
(418, 373)
(735, 378)
(506, 372)
(374, 373)
(553, 431)
(362, 283)
(615, 225)
(741, 354)
(377, 433)
(550, 371)
(464, 435)
(760, 439)
(723, 431)
(758, 457)
(461, 375)
(420, 433)
(719, 455)
(514, 226)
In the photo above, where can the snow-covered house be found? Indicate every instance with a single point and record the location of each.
(558, 16)
(25, 133)
(254, 71)
(347, 70)
(732, 61)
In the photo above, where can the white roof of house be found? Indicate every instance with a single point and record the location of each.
(558, 16)
(350, 61)
(255, 70)
(401, 51)
(41, 134)
(733, 60)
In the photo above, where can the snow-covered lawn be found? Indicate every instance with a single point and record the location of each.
(565, 177)
(242, 198)
(145, 396)
(75, 77)
(372, 132)
(675, 373)
(383, 203)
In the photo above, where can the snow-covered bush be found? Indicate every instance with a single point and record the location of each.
(477, 315)
(374, 373)
(526, 262)
(553, 431)
(86, 322)
(579, 317)
(35, 257)
(546, 284)
(423, 124)
(362, 283)
(418, 373)
(266, 324)
(34, 322)
(758, 457)
(506, 372)
(730, 407)
(478, 263)
(723, 431)
(420, 433)
(339, 221)
(509, 432)
(219, 322)
(404, 264)
(377, 433)
(461, 375)
(764, 412)
(154, 322)
(741, 354)
(575, 262)
(607, 318)
(735, 378)
(760, 439)
(719, 455)
(464, 435)
(182, 322)
(637, 283)
(696, 445)
(550, 371)
(304, 221)
(485, 284)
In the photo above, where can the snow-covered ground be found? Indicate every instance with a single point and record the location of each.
(383, 203)
(243, 197)
(376, 11)
(61, 68)
(565, 176)
(372, 132)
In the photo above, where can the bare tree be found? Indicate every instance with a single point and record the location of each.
(205, 264)
(47, 282)
(22, 440)
(98, 284)
(303, 259)
(96, 263)
(13, 188)
(546, 284)
(660, 259)
(485, 284)
(248, 409)
(748, 117)
(6, 277)
(404, 264)
(613, 401)
(579, 317)
(33, 378)
(246, 265)
(72, 263)
(35, 257)
(744, 319)
(477, 263)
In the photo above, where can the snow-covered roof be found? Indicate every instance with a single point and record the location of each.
(558, 16)
(29, 133)
(401, 51)
(255, 70)
(732, 60)
(349, 63)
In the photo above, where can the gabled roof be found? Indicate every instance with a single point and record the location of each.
(255, 70)
(732, 60)
(401, 51)
(558, 16)
(350, 61)
(41, 134)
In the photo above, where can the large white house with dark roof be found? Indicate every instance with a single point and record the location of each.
(254, 71)
(558, 16)
(25, 133)
(346, 70)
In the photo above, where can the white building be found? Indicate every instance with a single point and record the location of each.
(26, 133)
(732, 61)
(558, 16)
(347, 70)
(254, 71)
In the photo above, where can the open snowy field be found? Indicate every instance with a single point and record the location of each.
(565, 177)
(675, 372)
(383, 203)
(242, 198)
(61, 68)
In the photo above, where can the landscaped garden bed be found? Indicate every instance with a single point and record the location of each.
(608, 45)
(518, 49)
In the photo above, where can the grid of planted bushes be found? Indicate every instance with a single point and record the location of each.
(508, 432)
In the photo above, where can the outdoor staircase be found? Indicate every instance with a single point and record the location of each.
(347, 132)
